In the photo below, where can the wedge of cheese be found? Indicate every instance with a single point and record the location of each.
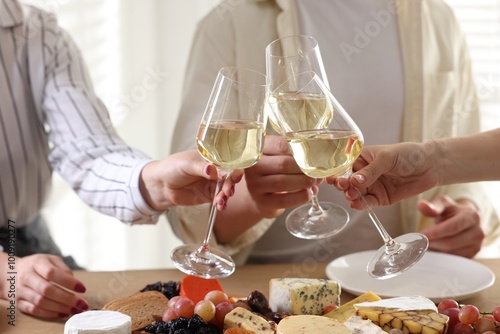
(242, 318)
(302, 295)
(310, 324)
(358, 325)
(347, 310)
(414, 315)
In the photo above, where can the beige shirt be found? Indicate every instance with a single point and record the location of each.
(439, 101)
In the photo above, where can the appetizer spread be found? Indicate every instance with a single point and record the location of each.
(295, 306)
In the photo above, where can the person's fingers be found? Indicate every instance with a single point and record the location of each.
(430, 209)
(40, 302)
(58, 272)
(29, 308)
(276, 145)
(366, 176)
(45, 299)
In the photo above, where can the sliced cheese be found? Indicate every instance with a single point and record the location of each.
(97, 322)
(242, 318)
(302, 295)
(310, 324)
(347, 310)
(358, 325)
(409, 314)
(412, 303)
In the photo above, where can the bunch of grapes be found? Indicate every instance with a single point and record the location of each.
(212, 309)
(467, 319)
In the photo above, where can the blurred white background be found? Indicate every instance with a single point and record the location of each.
(130, 44)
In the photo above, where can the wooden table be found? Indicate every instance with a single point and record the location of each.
(104, 286)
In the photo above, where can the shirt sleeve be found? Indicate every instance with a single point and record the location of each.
(85, 148)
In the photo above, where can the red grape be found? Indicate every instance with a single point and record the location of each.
(169, 314)
(172, 301)
(221, 310)
(496, 313)
(461, 328)
(446, 304)
(184, 307)
(489, 316)
(452, 313)
(468, 314)
(484, 325)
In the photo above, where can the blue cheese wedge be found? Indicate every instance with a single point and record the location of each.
(242, 318)
(98, 322)
(310, 324)
(300, 296)
(415, 315)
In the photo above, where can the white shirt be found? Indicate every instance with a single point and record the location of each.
(359, 45)
(51, 119)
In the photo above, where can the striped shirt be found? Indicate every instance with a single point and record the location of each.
(50, 119)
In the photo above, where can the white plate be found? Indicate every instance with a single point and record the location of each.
(436, 276)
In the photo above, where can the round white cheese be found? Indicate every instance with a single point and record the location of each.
(97, 322)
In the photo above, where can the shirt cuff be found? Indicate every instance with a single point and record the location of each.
(137, 199)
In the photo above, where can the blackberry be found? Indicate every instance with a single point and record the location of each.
(196, 322)
(183, 331)
(150, 328)
(158, 327)
(169, 289)
(155, 286)
(163, 328)
(179, 323)
(208, 329)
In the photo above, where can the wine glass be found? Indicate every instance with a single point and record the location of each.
(285, 58)
(231, 136)
(330, 149)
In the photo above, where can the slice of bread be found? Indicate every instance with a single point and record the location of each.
(142, 307)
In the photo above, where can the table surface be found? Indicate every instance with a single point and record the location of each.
(105, 286)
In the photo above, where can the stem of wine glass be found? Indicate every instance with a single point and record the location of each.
(222, 176)
(390, 244)
(315, 209)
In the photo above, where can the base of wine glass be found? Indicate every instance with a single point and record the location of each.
(202, 262)
(329, 222)
(389, 262)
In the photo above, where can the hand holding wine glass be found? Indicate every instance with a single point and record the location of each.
(231, 136)
(285, 58)
(328, 147)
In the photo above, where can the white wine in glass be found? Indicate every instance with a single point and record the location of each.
(231, 136)
(285, 58)
(331, 151)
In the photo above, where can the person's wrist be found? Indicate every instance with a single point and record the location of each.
(438, 160)
(151, 189)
